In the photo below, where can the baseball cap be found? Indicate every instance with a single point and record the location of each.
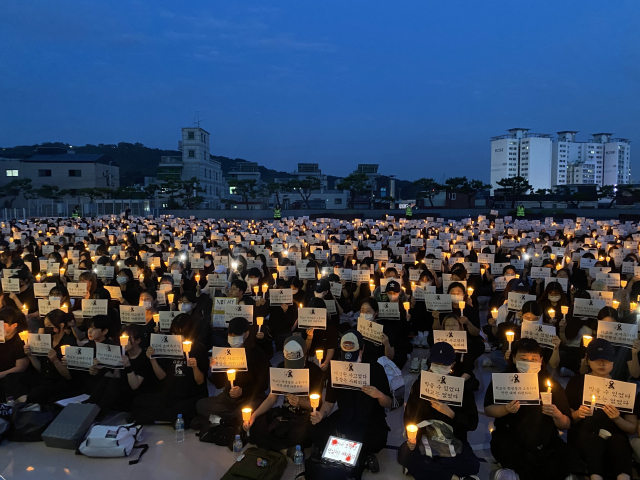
(601, 349)
(323, 286)
(220, 269)
(351, 343)
(442, 353)
(238, 325)
(293, 352)
(393, 286)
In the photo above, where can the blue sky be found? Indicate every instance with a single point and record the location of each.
(417, 86)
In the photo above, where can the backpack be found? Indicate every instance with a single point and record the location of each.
(438, 439)
(113, 441)
(29, 422)
(396, 381)
(248, 469)
(224, 433)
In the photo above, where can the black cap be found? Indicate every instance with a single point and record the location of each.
(442, 353)
(238, 325)
(601, 349)
(254, 272)
(323, 286)
(393, 286)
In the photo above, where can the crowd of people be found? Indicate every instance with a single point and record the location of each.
(550, 306)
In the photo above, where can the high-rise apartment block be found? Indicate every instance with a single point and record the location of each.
(547, 163)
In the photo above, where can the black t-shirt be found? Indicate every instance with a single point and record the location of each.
(316, 378)
(529, 423)
(358, 408)
(141, 366)
(180, 382)
(47, 368)
(28, 298)
(373, 352)
(11, 351)
(599, 419)
(324, 339)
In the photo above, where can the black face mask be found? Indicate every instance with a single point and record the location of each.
(49, 330)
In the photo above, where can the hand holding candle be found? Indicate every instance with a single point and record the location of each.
(564, 310)
(24, 336)
(314, 399)
(259, 321)
(246, 414)
(231, 375)
(265, 287)
(320, 355)
(63, 349)
(461, 305)
(406, 305)
(186, 347)
(124, 341)
(510, 336)
(546, 397)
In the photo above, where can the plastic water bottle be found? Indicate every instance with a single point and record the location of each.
(179, 429)
(237, 444)
(298, 460)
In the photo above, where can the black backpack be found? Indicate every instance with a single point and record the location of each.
(28, 426)
(224, 433)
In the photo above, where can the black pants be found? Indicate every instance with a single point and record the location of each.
(423, 467)
(279, 428)
(372, 434)
(555, 461)
(160, 407)
(112, 394)
(605, 457)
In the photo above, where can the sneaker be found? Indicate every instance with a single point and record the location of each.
(487, 362)
(487, 347)
(565, 372)
(423, 365)
(415, 365)
(371, 463)
(505, 474)
(416, 341)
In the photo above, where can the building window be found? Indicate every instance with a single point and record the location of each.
(452, 196)
(191, 135)
(192, 154)
(44, 173)
(337, 201)
(75, 173)
(12, 173)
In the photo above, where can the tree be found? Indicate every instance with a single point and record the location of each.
(471, 188)
(276, 189)
(189, 193)
(304, 187)
(516, 186)
(429, 188)
(92, 193)
(245, 188)
(14, 188)
(356, 183)
(608, 191)
(541, 192)
(151, 189)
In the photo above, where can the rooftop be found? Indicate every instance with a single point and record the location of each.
(70, 158)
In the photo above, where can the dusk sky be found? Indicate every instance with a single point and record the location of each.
(416, 86)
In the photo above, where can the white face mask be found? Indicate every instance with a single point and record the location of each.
(440, 369)
(121, 280)
(207, 263)
(252, 281)
(367, 316)
(165, 287)
(235, 342)
(457, 298)
(185, 307)
(53, 299)
(528, 367)
(554, 299)
(425, 284)
(147, 305)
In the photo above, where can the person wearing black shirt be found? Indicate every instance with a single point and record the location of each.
(284, 427)
(181, 382)
(361, 416)
(461, 419)
(525, 438)
(13, 360)
(604, 455)
(248, 388)
(319, 339)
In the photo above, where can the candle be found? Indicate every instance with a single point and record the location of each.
(353, 261)
(246, 414)
(24, 336)
(482, 270)
(124, 340)
(406, 305)
(593, 403)
(633, 306)
(461, 307)
(469, 291)
(548, 386)
(186, 347)
(616, 304)
(586, 340)
(231, 375)
(65, 308)
(320, 355)
(61, 271)
(259, 321)
(552, 313)
(314, 399)
(265, 287)
(564, 310)
(255, 289)
(510, 336)
(494, 313)
(38, 277)
(156, 317)
(412, 431)
(198, 277)
(319, 275)
(25, 309)
(170, 297)
(623, 283)
(63, 348)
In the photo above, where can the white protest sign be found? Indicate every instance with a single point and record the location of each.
(282, 296)
(621, 395)
(289, 380)
(584, 307)
(370, 330)
(442, 388)
(132, 314)
(233, 311)
(389, 310)
(619, 334)
(45, 306)
(40, 343)
(93, 307)
(458, 340)
(11, 285)
(41, 290)
(342, 450)
(516, 300)
(522, 387)
(219, 309)
(602, 295)
(109, 355)
(350, 375)
(438, 302)
(166, 346)
(312, 318)
(226, 358)
(543, 334)
(165, 319)
(77, 290)
(79, 358)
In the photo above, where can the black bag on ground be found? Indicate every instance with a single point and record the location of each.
(319, 469)
(224, 433)
(28, 425)
(248, 469)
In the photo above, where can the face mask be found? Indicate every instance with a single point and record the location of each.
(425, 284)
(528, 367)
(48, 330)
(293, 292)
(252, 281)
(207, 263)
(367, 316)
(53, 299)
(440, 369)
(457, 298)
(175, 272)
(165, 287)
(147, 305)
(235, 342)
(185, 307)
(554, 298)
(121, 280)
